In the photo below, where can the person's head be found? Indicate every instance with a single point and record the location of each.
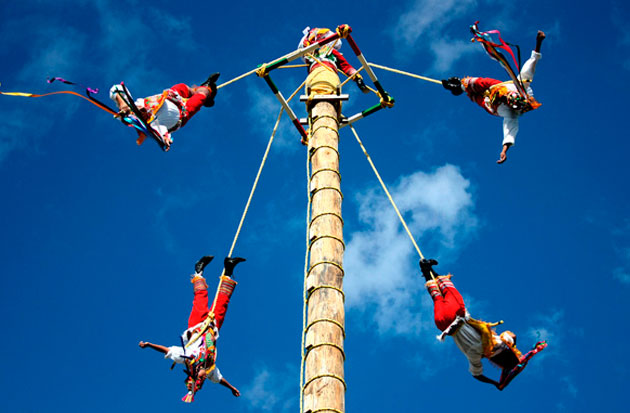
(508, 338)
(509, 357)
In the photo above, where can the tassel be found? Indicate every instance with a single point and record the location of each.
(189, 397)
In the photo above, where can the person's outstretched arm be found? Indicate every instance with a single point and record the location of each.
(156, 347)
(485, 379)
(227, 384)
(503, 154)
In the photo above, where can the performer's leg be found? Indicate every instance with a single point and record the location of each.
(226, 288)
(200, 301)
(444, 311)
(202, 96)
(529, 67)
(451, 296)
(182, 89)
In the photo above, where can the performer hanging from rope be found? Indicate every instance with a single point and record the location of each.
(476, 339)
(198, 349)
(502, 98)
(170, 110)
(328, 55)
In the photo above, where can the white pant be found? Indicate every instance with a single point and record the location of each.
(510, 116)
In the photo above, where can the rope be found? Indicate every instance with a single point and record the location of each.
(251, 193)
(330, 287)
(306, 272)
(326, 116)
(327, 187)
(325, 127)
(329, 344)
(400, 72)
(327, 262)
(292, 66)
(389, 196)
(333, 376)
(237, 78)
(262, 165)
(349, 78)
(328, 236)
(324, 146)
(254, 71)
(325, 213)
(328, 320)
(327, 170)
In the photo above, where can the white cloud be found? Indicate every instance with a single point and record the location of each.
(270, 391)
(263, 112)
(426, 24)
(56, 49)
(546, 327)
(448, 52)
(426, 21)
(381, 265)
(428, 17)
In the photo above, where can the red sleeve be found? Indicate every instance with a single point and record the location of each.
(476, 86)
(343, 64)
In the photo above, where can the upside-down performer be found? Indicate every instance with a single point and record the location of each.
(167, 112)
(476, 339)
(508, 100)
(198, 343)
(328, 55)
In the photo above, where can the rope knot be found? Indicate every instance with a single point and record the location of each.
(386, 101)
(262, 71)
(343, 30)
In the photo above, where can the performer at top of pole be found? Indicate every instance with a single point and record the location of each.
(328, 55)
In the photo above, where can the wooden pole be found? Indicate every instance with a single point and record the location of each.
(324, 385)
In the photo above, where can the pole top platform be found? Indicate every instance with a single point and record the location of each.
(343, 121)
(324, 98)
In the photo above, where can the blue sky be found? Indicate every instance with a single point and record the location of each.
(99, 235)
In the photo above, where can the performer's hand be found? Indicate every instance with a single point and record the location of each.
(503, 155)
(124, 111)
(235, 392)
(142, 344)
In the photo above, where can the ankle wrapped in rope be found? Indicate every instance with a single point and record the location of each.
(199, 283)
(433, 289)
(444, 281)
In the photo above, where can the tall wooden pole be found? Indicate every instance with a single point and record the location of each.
(324, 385)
